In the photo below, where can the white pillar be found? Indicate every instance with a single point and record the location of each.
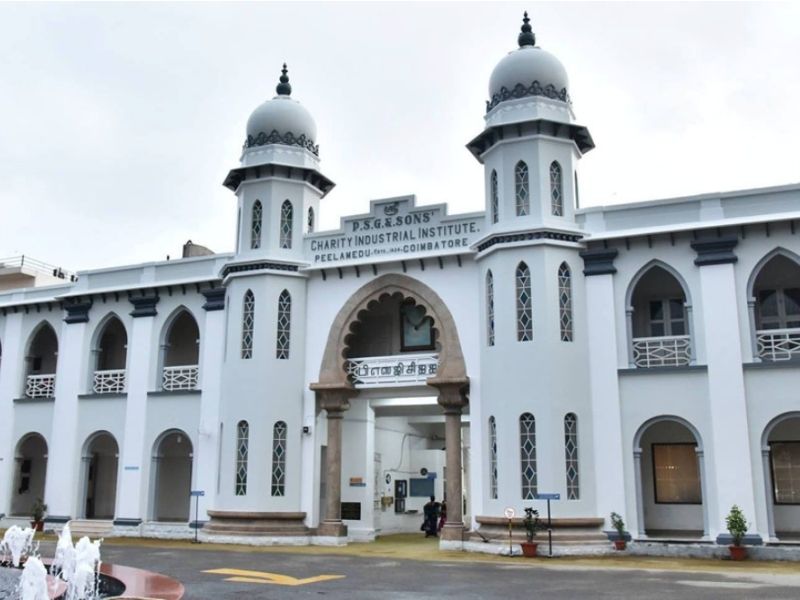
(11, 371)
(732, 470)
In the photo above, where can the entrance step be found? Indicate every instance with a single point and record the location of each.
(568, 532)
(270, 524)
(92, 528)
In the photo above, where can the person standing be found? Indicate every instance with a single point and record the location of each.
(431, 517)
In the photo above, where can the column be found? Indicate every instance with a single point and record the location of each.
(12, 369)
(731, 470)
(131, 493)
(601, 311)
(63, 458)
(335, 401)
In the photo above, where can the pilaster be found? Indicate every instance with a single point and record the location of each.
(11, 369)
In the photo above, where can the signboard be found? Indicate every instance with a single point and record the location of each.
(197, 493)
(547, 496)
(394, 228)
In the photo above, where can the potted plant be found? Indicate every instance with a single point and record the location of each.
(37, 512)
(619, 526)
(737, 527)
(531, 523)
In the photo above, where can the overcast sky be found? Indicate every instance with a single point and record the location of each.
(119, 122)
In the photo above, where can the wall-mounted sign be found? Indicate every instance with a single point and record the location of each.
(357, 482)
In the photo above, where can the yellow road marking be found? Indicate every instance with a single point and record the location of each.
(245, 576)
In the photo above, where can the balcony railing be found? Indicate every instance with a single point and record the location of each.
(392, 371)
(40, 386)
(183, 377)
(778, 344)
(110, 381)
(665, 351)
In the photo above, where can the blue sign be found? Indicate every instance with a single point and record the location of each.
(197, 493)
(547, 496)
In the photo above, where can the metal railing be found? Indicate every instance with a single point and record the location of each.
(392, 371)
(40, 386)
(31, 264)
(109, 381)
(778, 344)
(664, 351)
(182, 377)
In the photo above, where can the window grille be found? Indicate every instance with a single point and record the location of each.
(492, 458)
(571, 456)
(284, 324)
(255, 225)
(524, 304)
(556, 190)
(310, 219)
(565, 302)
(248, 322)
(242, 449)
(495, 201)
(489, 308)
(522, 189)
(287, 215)
(279, 459)
(527, 441)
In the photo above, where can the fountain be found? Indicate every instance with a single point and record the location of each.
(33, 583)
(17, 542)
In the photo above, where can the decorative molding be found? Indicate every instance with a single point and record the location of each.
(215, 299)
(288, 138)
(524, 237)
(258, 266)
(715, 251)
(144, 306)
(599, 261)
(77, 310)
(522, 91)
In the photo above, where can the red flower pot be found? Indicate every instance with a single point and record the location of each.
(620, 544)
(37, 525)
(738, 552)
(529, 549)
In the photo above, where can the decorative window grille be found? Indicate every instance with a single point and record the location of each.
(565, 302)
(489, 308)
(310, 219)
(522, 189)
(287, 216)
(242, 449)
(495, 201)
(181, 377)
(255, 225)
(284, 325)
(571, 456)
(524, 304)
(527, 442)
(279, 459)
(248, 322)
(109, 381)
(556, 190)
(492, 458)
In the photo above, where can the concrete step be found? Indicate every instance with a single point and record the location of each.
(92, 528)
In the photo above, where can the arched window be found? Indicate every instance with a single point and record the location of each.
(279, 459)
(527, 446)
(242, 450)
(492, 458)
(556, 190)
(524, 304)
(109, 355)
(489, 308)
(180, 354)
(287, 216)
(495, 201)
(571, 456)
(310, 220)
(284, 325)
(255, 225)
(565, 302)
(776, 310)
(41, 358)
(522, 189)
(248, 322)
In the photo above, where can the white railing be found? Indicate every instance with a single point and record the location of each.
(665, 351)
(183, 377)
(778, 344)
(110, 381)
(40, 386)
(392, 371)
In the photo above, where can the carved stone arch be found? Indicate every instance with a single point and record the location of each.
(669, 269)
(674, 418)
(37, 329)
(170, 321)
(779, 251)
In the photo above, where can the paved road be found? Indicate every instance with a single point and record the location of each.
(372, 578)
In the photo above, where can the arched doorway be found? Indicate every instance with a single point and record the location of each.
(781, 453)
(172, 477)
(31, 469)
(180, 352)
(668, 453)
(100, 469)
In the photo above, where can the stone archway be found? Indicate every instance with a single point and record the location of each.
(334, 390)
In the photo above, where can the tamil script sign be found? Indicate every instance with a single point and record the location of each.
(394, 228)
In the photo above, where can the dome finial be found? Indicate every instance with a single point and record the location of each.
(526, 36)
(283, 88)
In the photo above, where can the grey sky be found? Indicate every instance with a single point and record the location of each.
(118, 122)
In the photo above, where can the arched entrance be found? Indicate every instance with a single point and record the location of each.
(774, 305)
(780, 447)
(31, 469)
(417, 344)
(172, 477)
(100, 468)
(670, 482)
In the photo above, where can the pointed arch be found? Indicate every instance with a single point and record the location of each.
(556, 189)
(489, 308)
(645, 269)
(565, 321)
(754, 273)
(284, 325)
(571, 456)
(492, 458)
(256, 217)
(180, 350)
(522, 189)
(279, 431)
(248, 323)
(310, 219)
(287, 225)
(524, 303)
(527, 446)
(494, 197)
(41, 358)
(109, 358)
(242, 456)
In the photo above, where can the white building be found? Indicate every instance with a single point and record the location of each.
(641, 358)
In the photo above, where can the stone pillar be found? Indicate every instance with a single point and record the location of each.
(335, 401)
(11, 374)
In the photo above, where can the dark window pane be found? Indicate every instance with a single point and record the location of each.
(656, 310)
(768, 303)
(657, 329)
(786, 471)
(792, 301)
(676, 474)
